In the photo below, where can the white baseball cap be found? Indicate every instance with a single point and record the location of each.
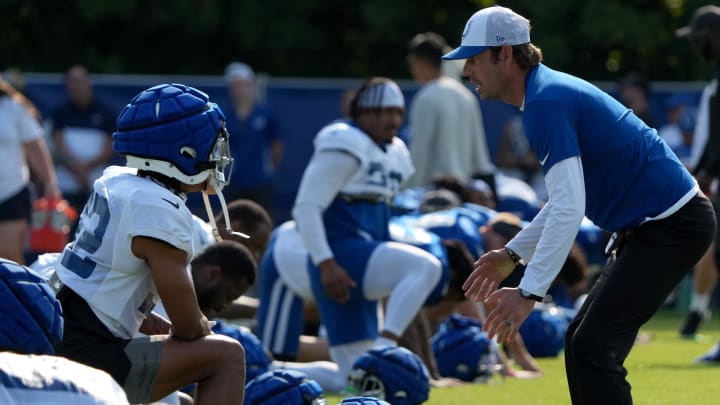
(490, 27)
(238, 71)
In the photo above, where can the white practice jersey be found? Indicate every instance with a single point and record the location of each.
(203, 234)
(100, 266)
(382, 168)
(31, 379)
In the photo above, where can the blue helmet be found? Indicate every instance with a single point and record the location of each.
(462, 350)
(257, 360)
(174, 130)
(283, 387)
(394, 374)
(30, 315)
(363, 401)
(544, 330)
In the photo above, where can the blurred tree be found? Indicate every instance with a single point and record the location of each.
(596, 39)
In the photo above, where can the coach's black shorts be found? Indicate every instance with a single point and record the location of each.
(134, 364)
(18, 206)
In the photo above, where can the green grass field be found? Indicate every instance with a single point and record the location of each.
(660, 371)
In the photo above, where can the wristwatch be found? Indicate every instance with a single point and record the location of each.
(513, 256)
(530, 296)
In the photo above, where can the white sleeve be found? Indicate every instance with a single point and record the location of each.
(325, 175)
(558, 227)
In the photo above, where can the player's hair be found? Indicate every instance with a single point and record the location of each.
(364, 88)
(461, 264)
(428, 47)
(170, 183)
(7, 89)
(234, 260)
(452, 183)
(575, 269)
(506, 224)
(248, 213)
(526, 55)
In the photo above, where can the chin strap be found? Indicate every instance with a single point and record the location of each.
(211, 217)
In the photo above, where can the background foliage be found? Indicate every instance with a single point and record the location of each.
(597, 39)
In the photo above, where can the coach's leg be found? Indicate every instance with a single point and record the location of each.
(656, 257)
(215, 362)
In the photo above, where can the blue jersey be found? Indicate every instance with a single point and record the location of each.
(517, 197)
(250, 142)
(592, 240)
(630, 173)
(459, 223)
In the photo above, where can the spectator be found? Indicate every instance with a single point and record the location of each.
(634, 92)
(446, 129)
(686, 125)
(675, 105)
(703, 34)
(23, 149)
(81, 135)
(257, 145)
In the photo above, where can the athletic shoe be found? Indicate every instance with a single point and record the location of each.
(692, 324)
(711, 357)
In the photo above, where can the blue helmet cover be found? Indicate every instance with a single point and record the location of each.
(393, 374)
(30, 315)
(283, 387)
(464, 351)
(171, 123)
(257, 360)
(363, 401)
(544, 330)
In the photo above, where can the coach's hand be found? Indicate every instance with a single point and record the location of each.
(492, 268)
(336, 280)
(510, 310)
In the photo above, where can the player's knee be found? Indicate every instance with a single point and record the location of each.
(432, 270)
(227, 352)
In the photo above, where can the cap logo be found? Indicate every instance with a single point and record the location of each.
(499, 38)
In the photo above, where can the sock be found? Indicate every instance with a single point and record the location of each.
(699, 302)
(384, 342)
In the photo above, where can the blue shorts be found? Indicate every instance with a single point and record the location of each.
(356, 319)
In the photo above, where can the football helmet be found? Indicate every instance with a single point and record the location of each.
(175, 130)
(363, 401)
(394, 374)
(283, 387)
(30, 315)
(257, 360)
(462, 350)
(544, 330)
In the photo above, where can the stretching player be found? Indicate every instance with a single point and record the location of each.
(342, 215)
(134, 241)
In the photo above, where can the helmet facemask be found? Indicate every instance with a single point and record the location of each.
(218, 178)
